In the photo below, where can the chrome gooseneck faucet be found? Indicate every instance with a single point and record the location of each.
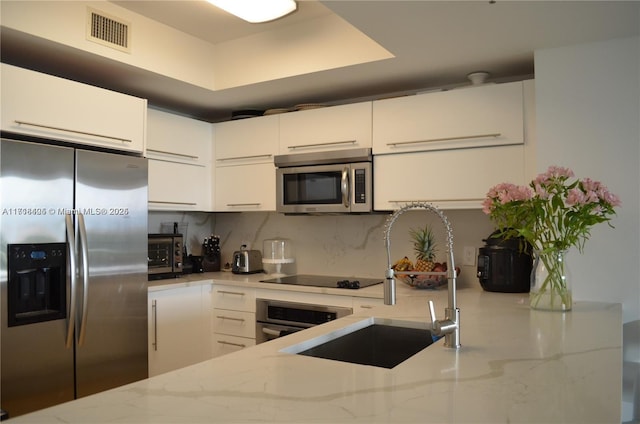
(450, 325)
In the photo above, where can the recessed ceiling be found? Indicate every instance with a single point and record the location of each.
(433, 43)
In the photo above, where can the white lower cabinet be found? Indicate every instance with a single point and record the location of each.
(233, 319)
(179, 327)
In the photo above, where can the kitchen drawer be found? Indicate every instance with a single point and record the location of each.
(234, 323)
(223, 344)
(234, 298)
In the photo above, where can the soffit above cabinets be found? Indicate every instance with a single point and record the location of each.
(188, 58)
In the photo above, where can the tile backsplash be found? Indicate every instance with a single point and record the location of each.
(341, 245)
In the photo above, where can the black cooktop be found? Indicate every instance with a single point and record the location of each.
(325, 281)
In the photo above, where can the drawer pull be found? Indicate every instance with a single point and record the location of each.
(230, 292)
(232, 344)
(464, 137)
(31, 124)
(230, 318)
(333, 143)
(366, 306)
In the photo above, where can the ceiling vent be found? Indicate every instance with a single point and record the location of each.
(108, 30)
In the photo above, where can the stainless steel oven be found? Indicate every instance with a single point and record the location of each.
(164, 254)
(276, 318)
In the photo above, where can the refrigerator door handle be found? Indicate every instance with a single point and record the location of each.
(82, 231)
(71, 243)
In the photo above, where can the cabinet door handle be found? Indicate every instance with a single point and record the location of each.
(242, 204)
(173, 154)
(232, 344)
(366, 306)
(332, 143)
(154, 309)
(463, 137)
(245, 157)
(433, 200)
(230, 318)
(49, 127)
(173, 203)
(231, 292)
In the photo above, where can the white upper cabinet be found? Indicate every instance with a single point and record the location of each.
(49, 107)
(245, 177)
(179, 152)
(177, 138)
(331, 128)
(458, 174)
(244, 141)
(486, 115)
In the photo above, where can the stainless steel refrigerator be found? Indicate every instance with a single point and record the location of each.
(73, 273)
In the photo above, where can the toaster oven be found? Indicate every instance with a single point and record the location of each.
(164, 255)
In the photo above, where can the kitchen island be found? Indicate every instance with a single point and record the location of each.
(515, 365)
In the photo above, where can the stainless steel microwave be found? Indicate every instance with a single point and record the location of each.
(325, 182)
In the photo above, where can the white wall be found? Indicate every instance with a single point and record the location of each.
(588, 105)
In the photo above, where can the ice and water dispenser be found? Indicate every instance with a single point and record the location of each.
(36, 285)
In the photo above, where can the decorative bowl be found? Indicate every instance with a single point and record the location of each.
(423, 281)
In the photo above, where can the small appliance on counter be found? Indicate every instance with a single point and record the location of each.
(246, 261)
(211, 254)
(504, 265)
(164, 256)
(275, 253)
(196, 264)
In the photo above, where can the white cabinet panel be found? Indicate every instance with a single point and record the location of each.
(234, 298)
(179, 328)
(253, 140)
(448, 178)
(234, 323)
(245, 177)
(177, 186)
(331, 128)
(234, 318)
(485, 115)
(49, 107)
(246, 187)
(177, 138)
(224, 343)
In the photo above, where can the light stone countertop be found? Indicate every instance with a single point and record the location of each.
(515, 365)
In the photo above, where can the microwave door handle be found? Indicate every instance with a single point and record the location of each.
(345, 186)
(71, 246)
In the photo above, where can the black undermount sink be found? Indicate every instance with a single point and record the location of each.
(377, 343)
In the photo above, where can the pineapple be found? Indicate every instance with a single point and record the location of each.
(425, 248)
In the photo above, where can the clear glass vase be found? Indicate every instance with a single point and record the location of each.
(550, 282)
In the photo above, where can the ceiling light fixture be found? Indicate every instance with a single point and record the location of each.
(256, 11)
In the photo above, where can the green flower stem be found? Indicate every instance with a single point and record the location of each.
(554, 284)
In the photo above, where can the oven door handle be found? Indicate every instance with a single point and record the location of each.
(271, 332)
